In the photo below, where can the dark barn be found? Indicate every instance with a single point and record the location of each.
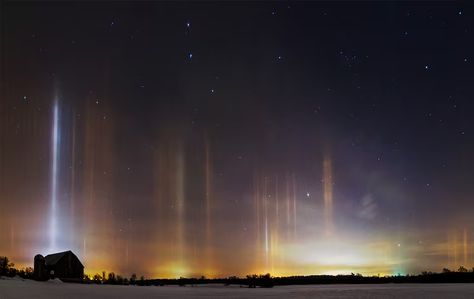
(63, 265)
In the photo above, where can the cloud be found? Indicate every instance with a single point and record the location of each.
(368, 207)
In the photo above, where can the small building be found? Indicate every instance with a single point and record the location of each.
(63, 265)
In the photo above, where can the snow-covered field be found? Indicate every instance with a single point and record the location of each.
(15, 288)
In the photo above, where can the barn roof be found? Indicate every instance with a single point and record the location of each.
(53, 259)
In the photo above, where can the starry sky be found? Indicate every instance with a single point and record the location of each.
(228, 138)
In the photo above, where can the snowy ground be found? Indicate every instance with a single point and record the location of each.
(16, 288)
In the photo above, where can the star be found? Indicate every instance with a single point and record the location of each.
(190, 56)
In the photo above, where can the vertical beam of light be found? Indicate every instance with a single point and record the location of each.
(451, 249)
(448, 249)
(208, 197)
(288, 213)
(327, 193)
(84, 248)
(180, 191)
(72, 207)
(277, 205)
(276, 234)
(455, 249)
(160, 190)
(12, 238)
(256, 195)
(465, 249)
(54, 177)
(126, 254)
(208, 191)
(95, 136)
(293, 181)
(272, 252)
(265, 202)
(3, 149)
(88, 221)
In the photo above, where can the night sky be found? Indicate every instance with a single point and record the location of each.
(188, 139)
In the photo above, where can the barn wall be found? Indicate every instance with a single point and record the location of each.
(68, 266)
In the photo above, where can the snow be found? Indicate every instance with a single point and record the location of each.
(56, 281)
(18, 288)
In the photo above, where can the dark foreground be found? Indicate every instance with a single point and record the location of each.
(17, 288)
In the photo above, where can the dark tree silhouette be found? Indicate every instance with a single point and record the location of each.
(97, 278)
(111, 278)
(6, 267)
(133, 278)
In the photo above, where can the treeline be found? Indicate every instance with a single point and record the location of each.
(8, 269)
(461, 275)
(446, 276)
(115, 279)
